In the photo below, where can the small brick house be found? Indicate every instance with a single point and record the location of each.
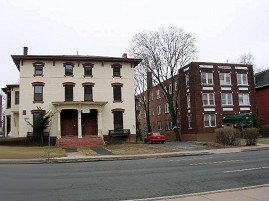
(262, 94)
(207, 93)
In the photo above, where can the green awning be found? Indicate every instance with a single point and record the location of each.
(238, 118)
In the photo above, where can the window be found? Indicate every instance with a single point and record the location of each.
(38, 68)
(227, 99)
(118, 120)
(152, 96)
(159, 110)
(116, 70)
(166, 108)
(17, 97)
(208, 99)
(69, 91)
(243, 99)
(207, 78)
(242, 79)
(88, 69)
(158, 94)
(189, 121)
(68, 69)
(8, 100)
(117, 92)
(175, 86)
(188, 101)
(38, 91)
(167, 125)
(36, 116)
(170, 89)
(88, 93)
(187, 80)
(225, 78)
(159, 125)
(210, 120)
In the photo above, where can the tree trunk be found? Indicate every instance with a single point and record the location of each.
(177, 134)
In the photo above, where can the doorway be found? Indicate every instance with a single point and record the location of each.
(89, 122)
(69, 122)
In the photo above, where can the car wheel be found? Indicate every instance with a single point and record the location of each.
(162, 142)
(145, 141)
(151, 142)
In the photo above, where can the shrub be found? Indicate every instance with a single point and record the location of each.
(228, 136)
(251, 135)
(265, 130)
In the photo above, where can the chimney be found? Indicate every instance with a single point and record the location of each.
(25, 51)
(124, 55)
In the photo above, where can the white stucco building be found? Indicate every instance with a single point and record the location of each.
(91, 95)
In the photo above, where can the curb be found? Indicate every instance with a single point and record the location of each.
(97, 159)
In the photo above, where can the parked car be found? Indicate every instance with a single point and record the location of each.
(154, 137)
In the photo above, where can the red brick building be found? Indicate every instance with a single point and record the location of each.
(207, 93)
(262, 94)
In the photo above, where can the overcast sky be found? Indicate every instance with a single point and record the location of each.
(224, 29)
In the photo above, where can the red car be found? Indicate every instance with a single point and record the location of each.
(154, 137)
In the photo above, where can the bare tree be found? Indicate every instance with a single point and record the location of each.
(246, 58)
(163, 53)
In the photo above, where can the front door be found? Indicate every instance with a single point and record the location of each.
(89, 123)
(69, 123)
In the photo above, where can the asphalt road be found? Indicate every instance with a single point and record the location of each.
(134, 179)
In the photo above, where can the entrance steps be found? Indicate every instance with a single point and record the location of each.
(75, 142)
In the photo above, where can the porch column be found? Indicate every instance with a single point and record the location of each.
(100, 134)
(79, 124)
(59, 124)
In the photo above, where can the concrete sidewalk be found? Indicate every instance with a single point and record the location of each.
(255, 193)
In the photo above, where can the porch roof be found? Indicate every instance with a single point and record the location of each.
(96, 103)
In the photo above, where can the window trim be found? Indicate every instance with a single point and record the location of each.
(114, 85)
(85, 65)
(17, 98)
(42, 84)
(114, 66)
(69, 84)
(224, 80)
(71, 64)
(241, 75)
(226, 99)
(41, 64)
(166, 108)
(243, 104)
(208, 99)
(210, 121)
(207, 78)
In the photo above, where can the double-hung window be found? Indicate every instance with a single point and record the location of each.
(117, 96)
(227, 99)
(68, 69)
(166, 108)
(88, 69)
(187, 80)
(68, 91)
(88, 88)
(225, 78)
(188, 101)
(242, 79)
(17, 97)
(208, 99)
(210, 120)
(207, 78)
(38, 91)
(158, 94)
(159, 111)
(116, 70)
(38, 68)
(243, 99)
